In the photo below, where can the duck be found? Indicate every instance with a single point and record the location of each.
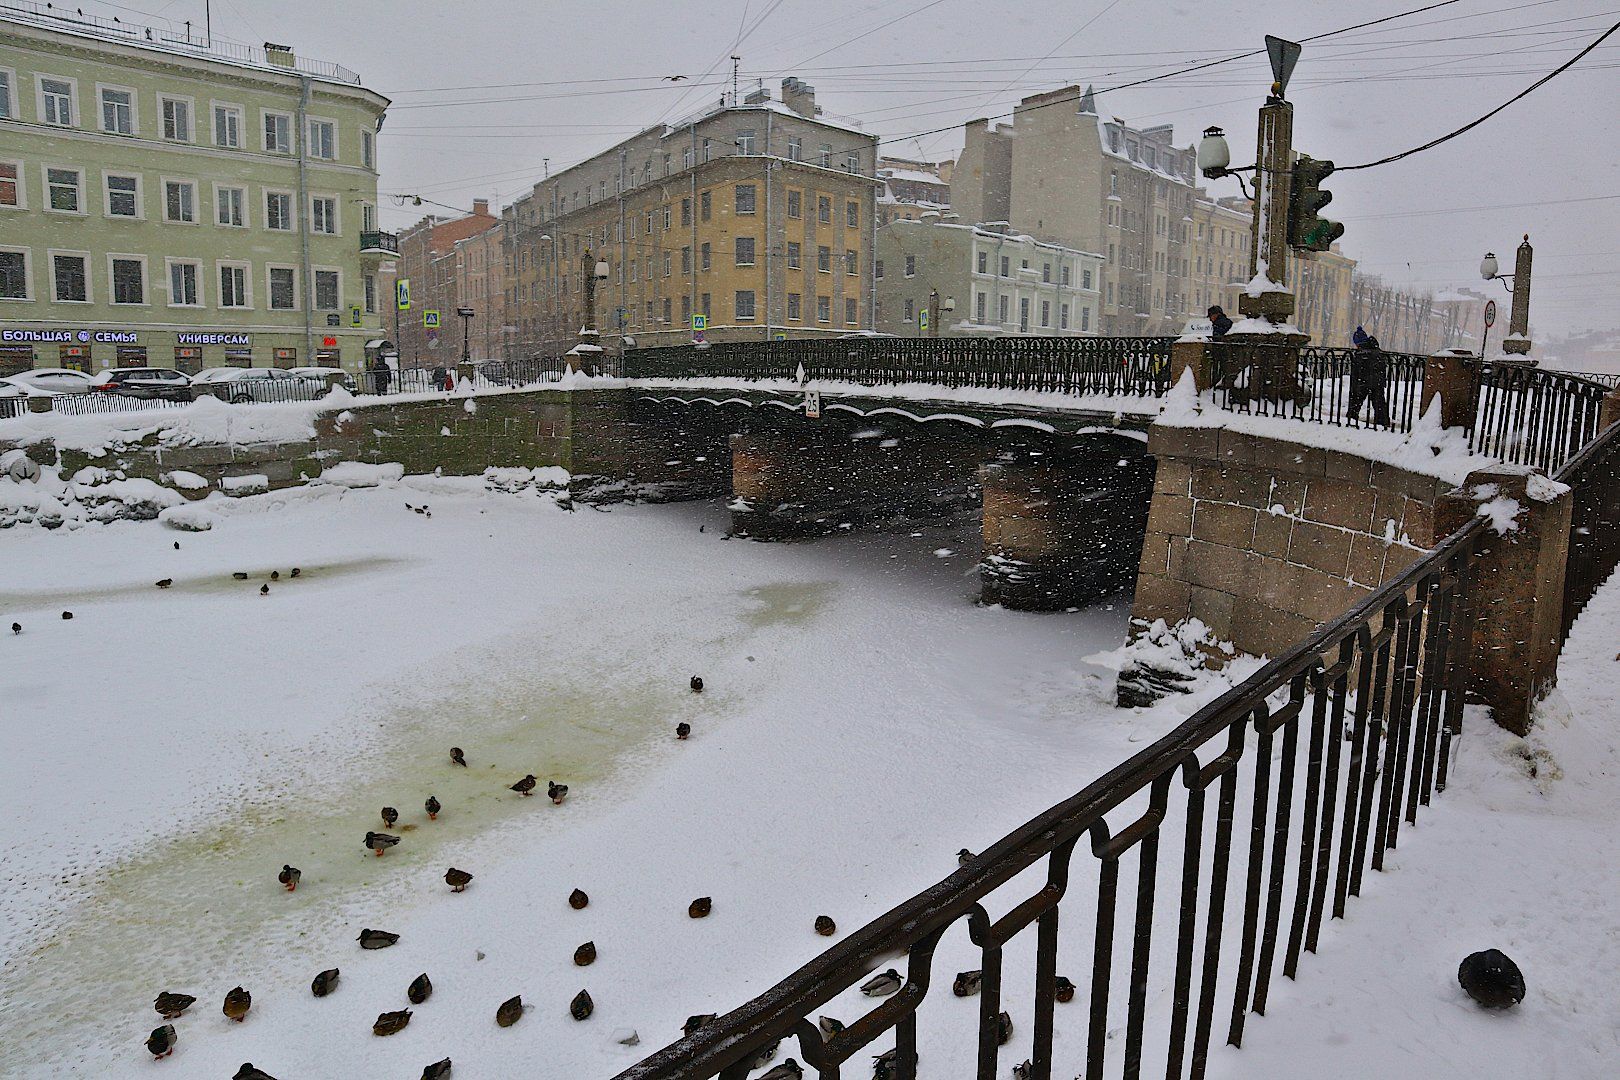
(389, 816)
(264, 590)
(66, 615)
(457, 757)
(177, 545)
(376, 939)
(886, 1066)
(700, 908)
(882, 985)
(420, 990)
(324, 983)
(1063, 990)
(1004, 1029)
(585, 955)
(582, 1006)
(390, 1023)
(828, 1026)
(697, 684)
(165, 583)
(161, 1042)
(1023, 1070)
(698, 1020)
(380, 842)
(237, 1004)
(788, 1070)
(275, 575)
(432, 808)
(1492, 979)
(578, 899)
(16, 628)
(289, 876)
(170, 1005)
(967, 983)
(240, 575)
(457, 879)
(436, 1071)
(525, 786)
(964, 857)
(248, 1072)
(510, 1011)
(296, 572)
(825, 926)
(683, 730)
(764, 1054)
(558, 792)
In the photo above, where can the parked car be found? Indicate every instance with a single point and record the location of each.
(238, 385)
(146, 382)
(326, 378)
(51, 381)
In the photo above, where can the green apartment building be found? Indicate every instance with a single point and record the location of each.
(176, 203)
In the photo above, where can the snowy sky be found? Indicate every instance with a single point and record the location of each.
(485, 91)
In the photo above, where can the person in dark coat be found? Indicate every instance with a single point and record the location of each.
(381, 375)
(441, 379)
(1369, 375)
(1218, 322)
(1358, 337)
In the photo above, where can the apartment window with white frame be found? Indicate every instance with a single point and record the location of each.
(825, 156)
(14, 274)
(183, 285)
(62, 187)
(368, 148)
(283, 288)
(911, 266)
(56, 101)
(745, 141)
(323, 215)
(278, 211)
(1085, 278)
(180, 201)
(117, 110)
(176, 118)
(371, 294)
(1085, 319)
(978, 308)
(128, 274)
(1063, 316)
(745, 198)
(327, 290)
(228, 126)
(233, 285)
(745, 305)
(1002, 309)
(8, 94)
(230, 205)
(823, 309)
(795, 148)
(745, 250)
(123, 195)
(323, 140)
(70, 277)
(278, 137)
(1046, 313)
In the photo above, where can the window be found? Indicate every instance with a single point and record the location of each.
(63, 188)
(233, 286)
(745, 198)
(371, 294)
(686, 158)
(1001, 313)
(795, 148)
(852, 163)
(128, 280)
(176, 118)
(705, 206)
(8, 100)
(667, 258)
(823, 309)
(278, 207)
(851, 266)
(278, 133)
(983, 262)
(10, 184)
(183, 284)
(704, 256)
(824, 259)
(824, 209)
(1085, 318)
(745, 141)
(123, 196)
(1046, 272)
(686, 215)
(70, 279)
(911, 266)
(795, 204)
(326, 290)
(1046, 313)
(228, 126)
(1006, 266)
(978, 308)
(283, 290)
(745, 251)
(117, 110)
(708, 310)
(825, 155)
(794, 259)
(686, 259)
(707, 150)
(180, 200)
(851, 311)
(13, 274)
(686, 311)
(56, 102)
(852, 215)
(323, 211)
(368, 151)
(1067, 271)
(323, 140)
(666, 311)
(745, 305)
(1023, 315)
(1063, 317)
(1085, 278)
(877, 269)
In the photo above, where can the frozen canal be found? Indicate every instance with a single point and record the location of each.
(168, 750)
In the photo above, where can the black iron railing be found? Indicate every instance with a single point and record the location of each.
(487, 375)
(377, 242)
(1270, 804)
(1594, 540)
(1321, 385)
(1531, 416)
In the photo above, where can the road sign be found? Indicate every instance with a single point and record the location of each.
(402, 294)
(354, 315)
(812, 404)
(1283, 55)
(465, 312)
(779, 336)
(700, 322)
(430, 318)
(922, 319)
(1490, 314)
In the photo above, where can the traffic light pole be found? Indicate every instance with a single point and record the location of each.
(1273, 180)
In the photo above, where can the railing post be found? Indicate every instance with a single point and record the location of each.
(1452, 375)
(1197, 357)
(1609, 411)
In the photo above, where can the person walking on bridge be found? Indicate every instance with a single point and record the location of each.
(1219, 323)
(1369, 376)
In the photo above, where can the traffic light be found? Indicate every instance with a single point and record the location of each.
(1306, 230)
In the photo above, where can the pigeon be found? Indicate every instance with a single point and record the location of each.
(16, 628)
(170, 1005)
(248, 1072)
(161, 1041)
(683, 730)
(577, 899)
(765, 1054)
(964, 857)
(825, 926)
(324, 983)
(697, 684)
(389, 816)
(1004, 1029)
(457, 879)
(882, 985)
(295, 572)
(66, 615)
(379, 842)
(967, 983)
(558, 792)
(264, 590)
(1491, 979)
(165, 583)
(289, 877)
(436, 1071)
(457, 757)
(525, 786)
(829, 1027)
(585, 955)
(275, 575)
(788, 1070)
(698, 1020)
(240, 575)
(510, 1011)
(582, 1006)
(432, 808)
(237, 1004)
(1064, 989)
(389, 1023)
(700, 908)
(376, 939)
(420, 990)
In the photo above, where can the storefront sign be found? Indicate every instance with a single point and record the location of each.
(213, 338)
(84, 337)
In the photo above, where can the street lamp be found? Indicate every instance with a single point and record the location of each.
(1488, 271)
(1214, 156)
(466, 314)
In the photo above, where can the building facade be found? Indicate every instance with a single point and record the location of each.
(1417, 321)
(996, 281)
(911, 189)
(431, 259)
(174, 204)
(757, 215)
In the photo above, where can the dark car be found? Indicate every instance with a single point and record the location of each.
(164, 383)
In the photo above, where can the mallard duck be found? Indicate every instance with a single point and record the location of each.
(66, 615)
(510, 1011)
(161, 1041)
(389, 1023)
(1063, 990)
(825, 926)
(967, 983)
(16, 628)
(558, 792)
(436, 1071)
(380, 842)
(788, 1070)
(1004, 1029)
(577, 899)
(432, 808)
(582, 1006)
(389, 816)
(376, 939)
(585, 955)
(525, 786)
(275, 575)
(324, 983)
(1023, 1070)
(457, 879)
(683, 730)
(170, 1005)
(698, 1020)
(237, 1004)
(289, 877)
(883, 984)
(1491, 979)
(697, 684)
(700, 908)
(165, 583)
(264, 590)
(296, 572)
(248, 1072)
(764, 1055)
(457, 757)
(177, 545)
(886, 1066)
(240, 575)
(828, 1026)
(420, 990)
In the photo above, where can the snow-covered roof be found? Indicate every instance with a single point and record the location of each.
(841, 123)
(992, 234)
(916, 176)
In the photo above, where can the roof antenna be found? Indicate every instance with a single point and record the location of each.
(734, 61)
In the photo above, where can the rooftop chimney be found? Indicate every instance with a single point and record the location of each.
(800, 97)
(757, 96)
(480, 208)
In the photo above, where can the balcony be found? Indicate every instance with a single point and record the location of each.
(379, 245)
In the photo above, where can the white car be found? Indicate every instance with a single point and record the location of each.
(50, 382)
(238, 385)
(325, 378)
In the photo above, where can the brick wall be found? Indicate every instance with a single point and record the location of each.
(1265, 541)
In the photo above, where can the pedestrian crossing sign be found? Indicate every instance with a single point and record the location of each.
(430, 318)
(402, 294)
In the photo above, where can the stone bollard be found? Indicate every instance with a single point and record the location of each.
(1195, 356)
(466, 371)
(1452, 375)
(1518, 588)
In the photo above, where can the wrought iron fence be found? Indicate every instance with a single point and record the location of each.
(12, 406)
(1594, 541)
(264, 391)
(490, 374)
(86, 404)
(1322, 385)
(1531, 416)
